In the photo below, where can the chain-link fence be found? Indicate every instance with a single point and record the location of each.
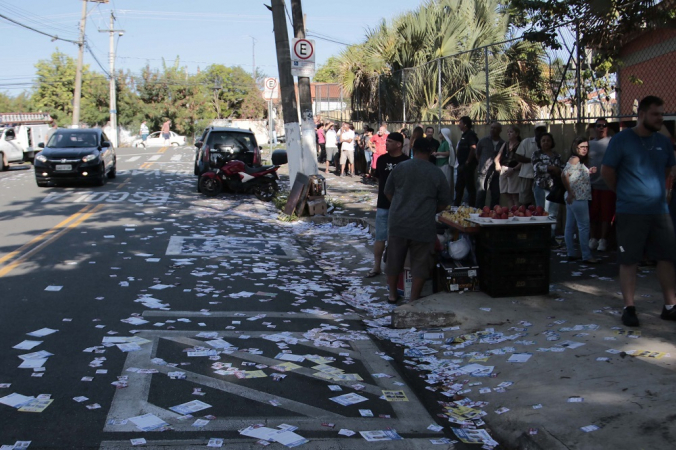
(512, 81)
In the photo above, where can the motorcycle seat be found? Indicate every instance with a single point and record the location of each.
(252, 170)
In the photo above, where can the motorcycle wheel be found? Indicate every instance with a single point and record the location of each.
(209, 186)
(265, 190)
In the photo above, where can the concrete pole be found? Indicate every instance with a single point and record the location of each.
(287, 89)
(307, 124)
(113, 95)
(78, 73)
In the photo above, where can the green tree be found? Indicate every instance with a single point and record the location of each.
(233, 92)
(329, 72)
(397, 67)
(53, 92)
(19, 103)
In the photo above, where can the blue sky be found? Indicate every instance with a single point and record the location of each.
(199, 32)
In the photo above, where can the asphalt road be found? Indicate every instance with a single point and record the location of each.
(77, 259)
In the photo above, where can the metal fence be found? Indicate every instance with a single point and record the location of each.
(499, 82)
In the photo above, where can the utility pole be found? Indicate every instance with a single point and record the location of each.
(77, 93)
(113, 94)
(78, 74)
(299, 161)
(253, 56)
(307, 124)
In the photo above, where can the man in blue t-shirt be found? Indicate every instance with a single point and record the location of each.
(636, 164)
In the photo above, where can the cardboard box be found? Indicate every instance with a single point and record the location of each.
(316, 207)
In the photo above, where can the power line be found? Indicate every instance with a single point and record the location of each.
(54, 37)
(89, 49)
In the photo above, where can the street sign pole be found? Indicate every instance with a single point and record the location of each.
(303, 54)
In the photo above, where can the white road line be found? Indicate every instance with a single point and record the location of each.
(135, 158)
(314, 444)
(411, 416)
(176, 158)
(237, 314)
(154, 157)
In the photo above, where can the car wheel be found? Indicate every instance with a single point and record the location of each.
(113, 172)
(3, 167)
(265, 190)
(174, 144)
(210, 186)
(101, 179)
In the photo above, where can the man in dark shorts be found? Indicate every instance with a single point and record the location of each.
(384, 166)
(636, 164)
(418, 190)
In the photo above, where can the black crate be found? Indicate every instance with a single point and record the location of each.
(501, 285)
(459, 276)
(510, 237)
(513, 262)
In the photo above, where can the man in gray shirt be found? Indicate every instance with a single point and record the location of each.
(418, 190)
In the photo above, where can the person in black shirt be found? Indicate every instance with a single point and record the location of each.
(467, 162)
(434, 144)
(384, 166)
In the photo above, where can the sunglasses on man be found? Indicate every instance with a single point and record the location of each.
(601, 125)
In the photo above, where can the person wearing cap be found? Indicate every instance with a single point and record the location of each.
(526, 174)
(386, 164)
(417, 190)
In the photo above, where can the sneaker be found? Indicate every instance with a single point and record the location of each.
(603, 245)
(629, 318)
(668, 314)
(593, 244)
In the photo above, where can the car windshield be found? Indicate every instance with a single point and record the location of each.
(227, 138)
(73, 139)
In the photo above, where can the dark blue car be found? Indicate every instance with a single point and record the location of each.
(76, 155)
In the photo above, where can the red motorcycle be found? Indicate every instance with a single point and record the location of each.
(236, 176)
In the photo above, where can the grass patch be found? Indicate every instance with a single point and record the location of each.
(280, 200)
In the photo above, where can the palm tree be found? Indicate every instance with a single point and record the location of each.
(403, 54)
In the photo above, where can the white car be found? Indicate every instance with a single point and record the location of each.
(156, 140)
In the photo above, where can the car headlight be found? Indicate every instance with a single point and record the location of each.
(88, 158)
(41, 158)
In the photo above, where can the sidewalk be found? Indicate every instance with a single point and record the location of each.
(564, 372)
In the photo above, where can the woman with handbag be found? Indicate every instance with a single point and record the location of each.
(576, 180)
(509, 167)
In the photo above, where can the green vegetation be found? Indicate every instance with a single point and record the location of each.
(190, 101)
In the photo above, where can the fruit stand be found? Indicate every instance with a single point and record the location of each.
(511, 253)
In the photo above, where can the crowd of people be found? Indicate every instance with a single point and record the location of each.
(618, 181)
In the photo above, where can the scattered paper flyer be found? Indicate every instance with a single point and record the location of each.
(349, 399)
(53, 288)
(380, 435)
(589, 428)
(395, 396)
(27, 345)
(519, 357)
(148, 422)
(42, 332)
(190, 407)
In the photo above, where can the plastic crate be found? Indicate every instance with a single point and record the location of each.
(514, 262)
(514, 237)
(457, 276)
(503, 285)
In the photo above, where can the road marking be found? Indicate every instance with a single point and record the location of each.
(45, 234)
(238, 314)
(219, 246)
(146, 165)
(243, 443)
(409, 417)
(154, 157)
(176, 158)
(162, 150)
(24, 257)
(132, 159)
